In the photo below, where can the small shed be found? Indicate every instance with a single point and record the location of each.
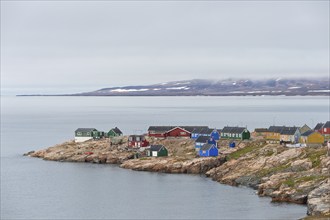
(157, 151)
(201, 140)
(208, 150)
(115, 132)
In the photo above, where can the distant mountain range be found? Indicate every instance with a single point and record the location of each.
(228, 87)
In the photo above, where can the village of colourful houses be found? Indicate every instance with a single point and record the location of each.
(206, 138)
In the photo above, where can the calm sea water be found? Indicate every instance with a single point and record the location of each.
(35, 189)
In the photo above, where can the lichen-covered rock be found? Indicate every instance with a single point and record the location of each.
(318, 202)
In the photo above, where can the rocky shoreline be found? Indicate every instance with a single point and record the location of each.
(298, 175)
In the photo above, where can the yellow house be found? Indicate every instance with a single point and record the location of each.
(312, 137)
(274, 133)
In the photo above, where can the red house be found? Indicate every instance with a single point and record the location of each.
(137, 141)
(178, 132)
(323, 128)
(159, 131)
(326, 128)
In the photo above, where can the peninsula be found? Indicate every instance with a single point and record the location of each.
(297, 175)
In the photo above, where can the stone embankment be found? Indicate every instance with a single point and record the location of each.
(298, 175)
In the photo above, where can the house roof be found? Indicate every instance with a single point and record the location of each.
(276, 129)
(307, 133)
(117, 130)
(261, 130)
(85, 129)
(156, 147)
(233, 130)
(304, 128)
(207, 146)
(289, 130)
(326, 125)
(202, 139)
(318, 126)
(160, 129)
(194, 129)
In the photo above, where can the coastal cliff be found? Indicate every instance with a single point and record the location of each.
(298, 175)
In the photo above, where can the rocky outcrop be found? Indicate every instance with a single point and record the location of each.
(284, 174)
(319, 200)
(173, 165)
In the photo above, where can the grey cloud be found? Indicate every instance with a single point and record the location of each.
(120, 43)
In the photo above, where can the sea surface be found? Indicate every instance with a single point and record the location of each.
(35, 189)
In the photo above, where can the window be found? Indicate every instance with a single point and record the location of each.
(138, 139)
(79, 133)
(182, 133)
(204, 151)
(88, 133)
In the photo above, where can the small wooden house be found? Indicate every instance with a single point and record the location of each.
(312, 137)
(84, 134)
(157, 151)
(208, 150)
(178, 132)
(235, 133)
(290, 134)
(137, 141)
(304, 129)
(115, 132)
(201, 140)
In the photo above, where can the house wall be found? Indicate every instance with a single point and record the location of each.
(315, 138)
(163, 153)
(325, 131)
(215, 135)
(273, 136)
(245, 135)
(83, 134)
(213, 152)
(177, 132)
(157, 135)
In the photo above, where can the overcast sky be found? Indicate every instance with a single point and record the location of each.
(87, 44)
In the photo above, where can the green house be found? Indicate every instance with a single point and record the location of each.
(157, 151)
(114, 132)
(84, 134)
(235, 133)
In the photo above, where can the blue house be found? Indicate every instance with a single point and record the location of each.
(201, 140)
(208, 150)
(197, 131)
(215, 134)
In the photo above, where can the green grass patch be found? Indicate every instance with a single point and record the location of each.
(289, 182)
(144, 158)
(314, 155)
(310, 178)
